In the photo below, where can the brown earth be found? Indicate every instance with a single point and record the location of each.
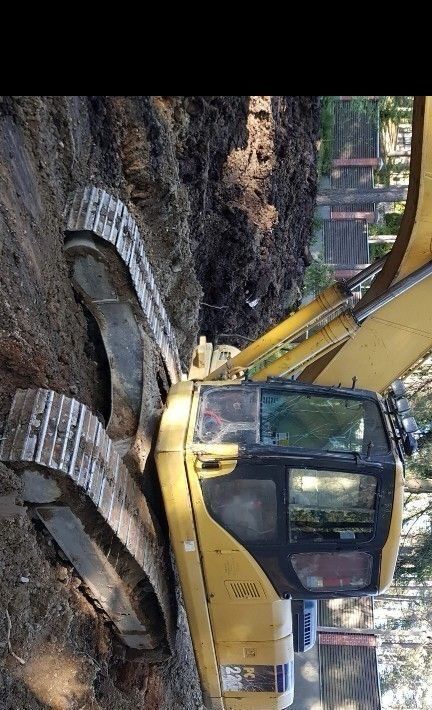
(223, 189)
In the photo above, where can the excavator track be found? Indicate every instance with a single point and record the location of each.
(97, 514)
(94, 210)
(85, 495)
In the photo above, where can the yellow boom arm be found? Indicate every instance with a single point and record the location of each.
(394, 334)
(399, 334)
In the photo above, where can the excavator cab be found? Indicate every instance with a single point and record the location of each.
(310, 496)
(274, 491)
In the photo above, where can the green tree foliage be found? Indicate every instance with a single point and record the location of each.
(405, 673)
(392, 111)
(389, 225)
(415, 563)
(415, 558)
(318, 276)
(395, 109)
(419, 387)
(392, 221)
(326, 135)
(376, 251)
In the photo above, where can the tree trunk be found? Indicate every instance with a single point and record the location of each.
(399, 153)
(382, 239)
(411, 636)
(418, 485)
(420, 590)
(354, 196)
(405, 644)
(398, 598)
(407, 550)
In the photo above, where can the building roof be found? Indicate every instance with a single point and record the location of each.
(346, 242)
(355, 132)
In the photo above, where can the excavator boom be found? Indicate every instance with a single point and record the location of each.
(390, 328)
(393, 339)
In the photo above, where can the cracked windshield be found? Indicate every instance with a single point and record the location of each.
(332, 423)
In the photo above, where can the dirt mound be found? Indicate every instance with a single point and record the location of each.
(222, 189)
(71, 658)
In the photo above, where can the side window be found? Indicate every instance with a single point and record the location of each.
(333, 571)
(330, 505)
(227, 414)
(245, 506)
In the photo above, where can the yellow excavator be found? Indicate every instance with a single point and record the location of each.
(281, 466)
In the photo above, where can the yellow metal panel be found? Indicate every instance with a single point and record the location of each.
(216, 704)
(201, 359)
(287, 329)
(266, 654)
(252, 621)
(387, 343)
(225, 629)
(223, 557)
(172, 476)
(256, 628)
(221, 354)
(337, 331)
(175, 419)
(262, 627)
(392, 340)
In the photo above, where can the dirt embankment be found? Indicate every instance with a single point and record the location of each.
(223, 190)
(252, 174)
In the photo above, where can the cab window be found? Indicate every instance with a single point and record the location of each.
(333, 571)
(228, 414)
(248, 507)
(322, 422)
(328, 506)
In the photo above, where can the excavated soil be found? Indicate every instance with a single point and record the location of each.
(223, 190)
